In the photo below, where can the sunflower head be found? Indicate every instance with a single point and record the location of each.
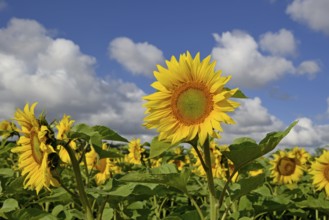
(190, 100)
(105, 167)
(63, 128)
(285, 168)
(135, 149)
(301, 155)
(34, 150)
(7, 129)
(320, 172)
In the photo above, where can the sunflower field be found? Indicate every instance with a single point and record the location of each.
(61, 169)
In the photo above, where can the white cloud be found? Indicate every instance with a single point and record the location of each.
(237, 54)
(309, 67)
(54, 72)
(306, 134)
(313, 13)
(281, 43)
(252, 120)
(138, 58)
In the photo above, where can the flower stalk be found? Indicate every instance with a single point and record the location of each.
(210, 180)
(82, 193)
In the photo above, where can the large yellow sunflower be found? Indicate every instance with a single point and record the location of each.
(190, 100)
(105, 166)
(63, 127)
(320, 172)
(135, 152)
(285, 168)
(33, 150)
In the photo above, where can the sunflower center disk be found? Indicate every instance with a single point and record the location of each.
(286, 166)
(36, 151)
(326, 172)
(191, 103)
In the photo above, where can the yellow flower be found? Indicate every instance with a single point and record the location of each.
(105, 166)
(218, 168)
(63, 127)
(285, 168)
(33, 151)
(190, 100)
(301, 155)
(320, 172)
(7, 128)
(135, 151)
(256, 172)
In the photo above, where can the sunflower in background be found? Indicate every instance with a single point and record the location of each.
(106, 167)
(190, 100)
(7, 129)
(33, 150)
(135, 149)
(63, 127)
(301, 155)
(320, 172)
(286, 168)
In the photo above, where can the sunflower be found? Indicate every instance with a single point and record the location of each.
(190, 100)
(320, 172)
(218, 168)
(135, 151)
(33, 150)
(285, 168)
(63, 127)
(105, 166)
(7, 129)
(301, 155)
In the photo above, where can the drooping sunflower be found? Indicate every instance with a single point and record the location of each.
(33, 150)
(63, 127)
(135, 151)
(190, 100)
(285, 168)
(320, 172)
(105, 166)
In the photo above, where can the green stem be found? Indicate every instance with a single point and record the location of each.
(101, 208)
(210, 180)
(221, 198)
(80, 185)
(195, 204)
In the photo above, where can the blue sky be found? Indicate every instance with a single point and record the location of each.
(94, 59)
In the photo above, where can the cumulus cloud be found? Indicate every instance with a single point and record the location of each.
(309, 67)
(313, 13)
(138, 58)
(54, 72)
(306, 134)
(281, 43)
(252, 120)
(255, 121)
(237, 54)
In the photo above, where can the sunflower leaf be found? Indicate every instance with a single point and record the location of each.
(108, 134)
(251, 150)
(248, 184)
(238, 94)
(158, 147)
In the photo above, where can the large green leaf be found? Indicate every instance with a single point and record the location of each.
(9, 205)
(32, 214)
(176, 180)
(159, 147)
(108, 134)
(245, 150)
(247, 185)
